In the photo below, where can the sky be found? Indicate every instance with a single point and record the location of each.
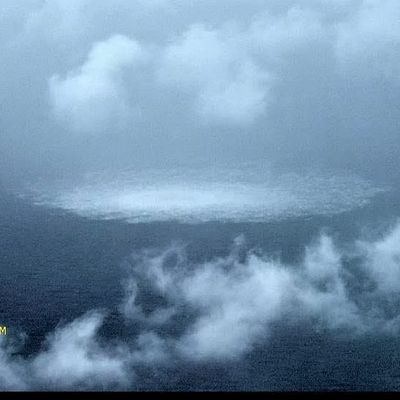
(297, 84)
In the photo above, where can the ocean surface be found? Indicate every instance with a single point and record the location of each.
(57, 263)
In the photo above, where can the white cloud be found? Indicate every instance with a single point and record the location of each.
(12, 369)
(223, 307)
(150, 350)
(322, 291)
(234, 300)
(383, 261)
(266, 68)
(92, 98)
(229, 86)
(231, 71)
(74, 358)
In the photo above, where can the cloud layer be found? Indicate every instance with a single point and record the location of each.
(294, 82)
(228, 86)
(219, 310)
(72, 358)
(92, 99)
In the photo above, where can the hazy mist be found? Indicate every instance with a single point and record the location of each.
(88, 85)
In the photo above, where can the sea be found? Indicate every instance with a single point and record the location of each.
(63, 248)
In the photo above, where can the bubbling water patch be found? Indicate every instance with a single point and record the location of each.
(203, 195)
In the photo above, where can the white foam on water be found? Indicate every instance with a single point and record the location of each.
(239, 195)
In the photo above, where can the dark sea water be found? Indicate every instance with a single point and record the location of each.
(55, 266)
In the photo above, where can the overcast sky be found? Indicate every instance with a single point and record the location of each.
(90, 85)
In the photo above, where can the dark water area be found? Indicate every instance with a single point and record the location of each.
(55, 266)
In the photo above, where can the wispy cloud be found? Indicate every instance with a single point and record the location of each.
(92, 98)
(220, 308)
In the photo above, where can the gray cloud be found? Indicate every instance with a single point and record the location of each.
(229, 86)
(73, 358)
(92, 99)
(283, 80)
(235, 299)
(12, 368)
(230, 304)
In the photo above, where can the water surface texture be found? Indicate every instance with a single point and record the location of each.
(165, 290)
